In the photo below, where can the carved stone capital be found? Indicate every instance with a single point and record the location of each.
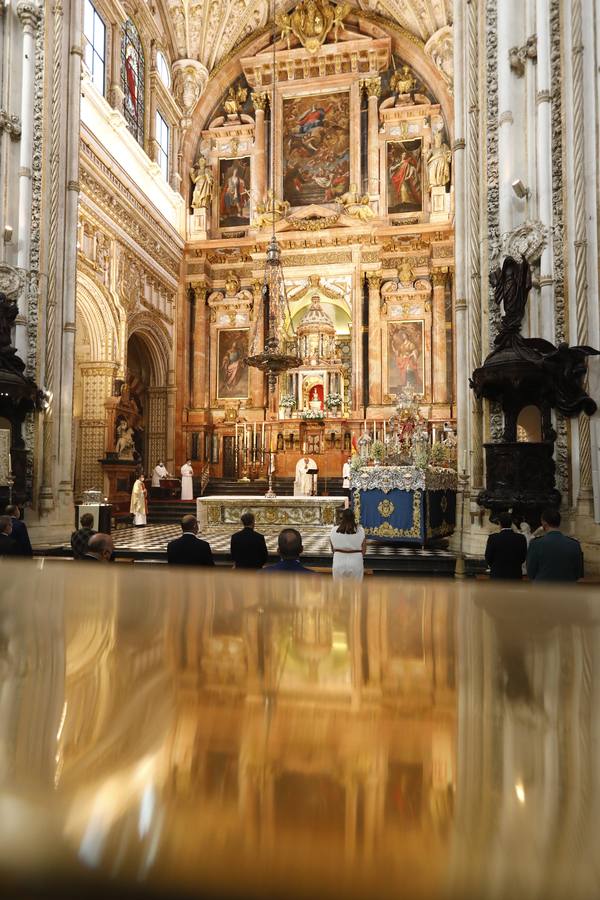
(11, 124)
(260, 100)
(528, 240)
(12, 281)
(372, 86)
(374, 281)
(439, 277)
(199, 289)
(518, 56)
(29, 14)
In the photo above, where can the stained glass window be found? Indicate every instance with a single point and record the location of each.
(132, 80)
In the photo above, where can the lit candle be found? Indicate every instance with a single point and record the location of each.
(464, 461)
(9, 463)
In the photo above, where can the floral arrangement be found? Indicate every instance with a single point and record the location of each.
(356, 462)
(333, 401)
(313, 414)
(378, 451)
(288, 401)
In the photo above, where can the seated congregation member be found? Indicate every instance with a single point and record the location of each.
(289, 545)
(81, 537)
(506, 550)
(248, 547)
(8, 546)
(554, 556)
(348, 541)
(189, 550)
(20, 535)
(100, 548)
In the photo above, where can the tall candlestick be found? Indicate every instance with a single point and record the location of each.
(464, 461)
(9, 463)
(384, 434)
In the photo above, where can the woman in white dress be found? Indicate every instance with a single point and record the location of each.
(187, 481)
(138, 505)
(348, 542)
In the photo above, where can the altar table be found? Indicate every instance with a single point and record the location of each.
(217, 511)
(405, 504)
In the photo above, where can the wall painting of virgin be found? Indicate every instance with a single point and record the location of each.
(405, 357)
(316, 148)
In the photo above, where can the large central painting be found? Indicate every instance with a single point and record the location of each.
(405, 357)
(316, 148)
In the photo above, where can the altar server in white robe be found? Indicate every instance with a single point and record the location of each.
(159, 471)
(187, 481)
(138, 505)
(305, 485)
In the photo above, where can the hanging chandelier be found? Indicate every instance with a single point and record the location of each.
(279, 353)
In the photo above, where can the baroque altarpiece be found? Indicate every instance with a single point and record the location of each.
(348, 161)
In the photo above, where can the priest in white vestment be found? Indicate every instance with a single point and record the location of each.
(305, 485)
(138, 505)
(187, 481)
(159, 471)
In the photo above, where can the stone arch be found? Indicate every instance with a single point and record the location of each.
(154, 342)
(97, 362)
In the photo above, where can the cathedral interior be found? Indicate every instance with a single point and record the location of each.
(304, 253)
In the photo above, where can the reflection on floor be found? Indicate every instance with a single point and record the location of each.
(233, 733)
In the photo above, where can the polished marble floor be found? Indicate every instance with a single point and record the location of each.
(194, 734)
(315, 541)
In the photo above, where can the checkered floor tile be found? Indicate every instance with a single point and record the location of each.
(154, 538)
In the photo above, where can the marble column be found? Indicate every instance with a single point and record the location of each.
(199, 398)
(461, 319)
(544, 167)
(439, 278)
(29, 14)
(375, 392)
(373, 89)
(259, 172)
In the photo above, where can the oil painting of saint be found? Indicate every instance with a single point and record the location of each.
(405, 176)
(316, 148)
(234, 192)
(405, 357)
(232, 372)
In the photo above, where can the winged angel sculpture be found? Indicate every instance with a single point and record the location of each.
(311, 21)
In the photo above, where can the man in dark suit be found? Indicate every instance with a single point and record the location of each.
(506, 550)
(20, 535)
(554, 556)
(100, 548)
(188, 550)
(289, 544)
(248, 547)
(8, 547)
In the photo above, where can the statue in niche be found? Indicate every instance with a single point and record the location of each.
(271, 210)
(356, 205)
(236, 97)
(125, 444)
(438, 162)
(204, 182)
(403, 83)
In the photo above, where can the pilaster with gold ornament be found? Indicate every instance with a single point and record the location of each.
(259, 171)
(374, 338)
(439, 279)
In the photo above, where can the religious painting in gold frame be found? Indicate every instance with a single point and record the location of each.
(232, 372)
(234, 192)
(316, 148)
(404, 176)
(406, 357)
